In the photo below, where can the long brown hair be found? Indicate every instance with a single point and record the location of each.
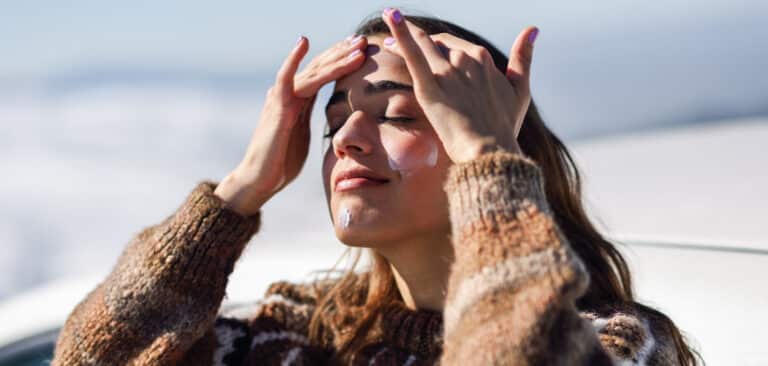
(355, 301)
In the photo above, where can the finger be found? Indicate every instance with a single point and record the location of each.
(432, 52)
(520, 58)
(392, 46)
(466, 56)
(284, 80)
(415, 60)
(457, 46)
(340, 60)
(340, 50)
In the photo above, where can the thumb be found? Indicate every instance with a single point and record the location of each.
(284, 80)
(520, 57)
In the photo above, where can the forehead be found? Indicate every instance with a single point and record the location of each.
(380, 64)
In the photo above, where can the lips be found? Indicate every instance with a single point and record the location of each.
(357, 178)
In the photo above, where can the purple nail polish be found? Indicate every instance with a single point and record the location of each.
(533, 35)
(396, 16)
(298, 41)
(356, 40)
(389, 41)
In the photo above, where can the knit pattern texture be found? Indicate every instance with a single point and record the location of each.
(510, 300)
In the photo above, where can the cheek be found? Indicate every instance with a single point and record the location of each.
(407, 153)
(329, 160)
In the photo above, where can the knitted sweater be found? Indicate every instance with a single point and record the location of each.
(510, 299)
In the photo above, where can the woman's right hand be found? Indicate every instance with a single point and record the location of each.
(280, 142)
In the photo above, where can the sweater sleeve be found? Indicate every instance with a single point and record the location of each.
(512, 289)
(163, 294)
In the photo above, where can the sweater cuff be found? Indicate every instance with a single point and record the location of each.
(493, 188)
(203, 239)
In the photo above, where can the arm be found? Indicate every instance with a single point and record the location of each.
(165, 290)
(513, 286)
(515, 279)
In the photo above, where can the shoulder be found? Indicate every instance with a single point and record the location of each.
(634, 334)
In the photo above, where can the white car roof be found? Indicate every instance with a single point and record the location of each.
(698, 185)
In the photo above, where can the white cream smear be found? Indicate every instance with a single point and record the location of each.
(345, 217)
(405, 161)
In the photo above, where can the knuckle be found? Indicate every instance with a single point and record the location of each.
(462, 58)
(445, 72)
(440, 36)
(485, 56)
(478, 51)
(337, 68)
(311, 74)
(419, 33)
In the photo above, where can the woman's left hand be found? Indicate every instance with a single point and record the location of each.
(473, 107)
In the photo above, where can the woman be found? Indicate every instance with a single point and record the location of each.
(437, 163)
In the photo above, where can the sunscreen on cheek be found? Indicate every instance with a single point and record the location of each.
(407, 158)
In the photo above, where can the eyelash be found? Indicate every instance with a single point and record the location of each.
(333, 131)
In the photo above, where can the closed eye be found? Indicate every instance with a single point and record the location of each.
(401, 119)
(395, 119)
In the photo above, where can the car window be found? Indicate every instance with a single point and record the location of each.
(34, 350)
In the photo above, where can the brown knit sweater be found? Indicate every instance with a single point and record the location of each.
(510, 298)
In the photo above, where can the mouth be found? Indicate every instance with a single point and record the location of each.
(351, 183)
(358, 178)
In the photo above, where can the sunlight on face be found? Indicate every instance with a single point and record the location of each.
(378, 127)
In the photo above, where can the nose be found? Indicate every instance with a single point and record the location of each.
(354, 137)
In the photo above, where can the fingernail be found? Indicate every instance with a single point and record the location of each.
(396, 16)
(533, 35)
(356, 40)
(353, 54)
(301, 38)
(389, 41)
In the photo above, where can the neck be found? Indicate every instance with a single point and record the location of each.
(421, 267)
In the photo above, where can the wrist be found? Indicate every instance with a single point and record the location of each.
(237, 196)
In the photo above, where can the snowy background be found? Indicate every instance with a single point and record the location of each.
(110, 115)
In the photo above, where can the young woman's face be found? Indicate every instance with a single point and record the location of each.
(378, 127)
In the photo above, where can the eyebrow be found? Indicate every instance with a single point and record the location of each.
(372, 88)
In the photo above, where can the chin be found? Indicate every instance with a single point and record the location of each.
(358, 237)
(369, 221)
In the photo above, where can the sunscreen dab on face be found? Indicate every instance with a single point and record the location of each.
(345, 218)
(406, 159)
